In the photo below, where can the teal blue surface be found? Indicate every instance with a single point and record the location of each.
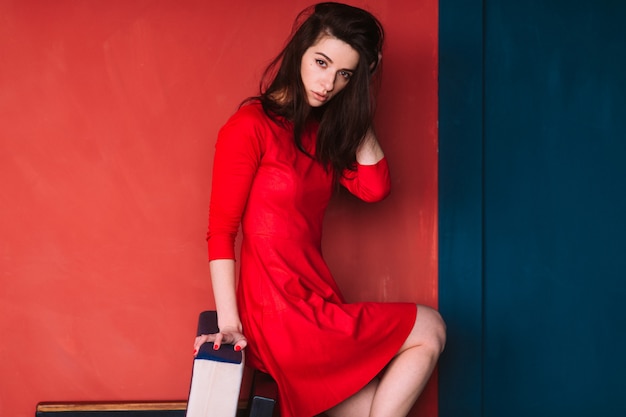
(532, 199)
(460, 206)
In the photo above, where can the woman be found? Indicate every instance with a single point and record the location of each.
(277, 161)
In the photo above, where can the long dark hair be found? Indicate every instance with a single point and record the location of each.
(345, 119)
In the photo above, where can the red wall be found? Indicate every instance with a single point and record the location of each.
(109, 111)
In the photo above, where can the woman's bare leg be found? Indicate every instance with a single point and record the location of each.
(359, 405)
(405, 376)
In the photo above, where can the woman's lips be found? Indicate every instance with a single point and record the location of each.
(320, 97)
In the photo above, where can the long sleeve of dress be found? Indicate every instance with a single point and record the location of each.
(237, 156)
(370, 183)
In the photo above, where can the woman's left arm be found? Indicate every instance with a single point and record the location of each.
(370, 180)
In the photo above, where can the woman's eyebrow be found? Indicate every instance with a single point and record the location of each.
(325, 56)
(332, 62)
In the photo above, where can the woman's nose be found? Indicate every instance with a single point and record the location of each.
(328, 83)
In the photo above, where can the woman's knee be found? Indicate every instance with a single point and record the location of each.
(439, 331)
(429, 329)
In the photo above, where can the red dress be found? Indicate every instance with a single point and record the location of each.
(319, 349)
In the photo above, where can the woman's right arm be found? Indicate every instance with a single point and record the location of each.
(237, 156)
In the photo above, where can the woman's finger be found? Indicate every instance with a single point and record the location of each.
(217, 341)
(200, 340)
(241, 344)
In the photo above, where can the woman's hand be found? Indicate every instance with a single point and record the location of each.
(228, 335)
(369, 152)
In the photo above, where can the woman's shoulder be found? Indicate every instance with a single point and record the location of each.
(247, 128)
(250, 114)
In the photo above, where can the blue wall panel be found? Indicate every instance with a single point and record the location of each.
(555, 141)
(536, 283)
(460, 205)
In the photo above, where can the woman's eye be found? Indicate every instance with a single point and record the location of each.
(320, 62)
(345, 74)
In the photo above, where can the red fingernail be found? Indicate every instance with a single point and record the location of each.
(195, 351)
(216, 347)
(237, 348)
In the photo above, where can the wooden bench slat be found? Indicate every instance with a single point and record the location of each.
(51, 407)
(112, 406)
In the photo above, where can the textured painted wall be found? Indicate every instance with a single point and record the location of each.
(108, 113)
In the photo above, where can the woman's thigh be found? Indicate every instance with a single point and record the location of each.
(358, 405)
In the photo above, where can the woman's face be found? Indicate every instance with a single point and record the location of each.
(326, 69)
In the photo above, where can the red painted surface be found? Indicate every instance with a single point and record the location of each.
(109, 111)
